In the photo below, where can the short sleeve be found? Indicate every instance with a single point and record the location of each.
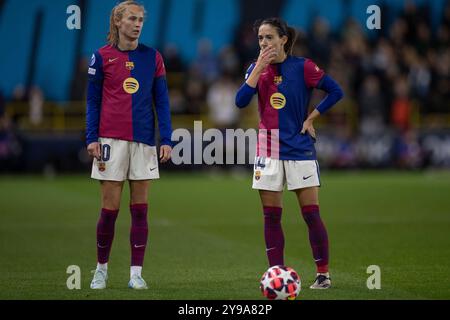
(312, 74)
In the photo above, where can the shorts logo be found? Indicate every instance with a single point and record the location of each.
(257, 175)
(131, 85)
(101, 166)
(260, 163)
(277, 80)
(129, 65)
(277, 100)
(92, 71)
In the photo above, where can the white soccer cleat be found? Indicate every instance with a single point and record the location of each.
(99, 280)
(323, 281)
(137, 282)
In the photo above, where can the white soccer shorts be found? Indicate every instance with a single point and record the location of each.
(122, 160)
(272, 174)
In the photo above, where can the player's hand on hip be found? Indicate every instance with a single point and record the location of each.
(309, 128)
(94, 150)
(165, 152)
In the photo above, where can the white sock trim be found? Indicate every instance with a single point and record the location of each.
(102, 266)
(135, 270)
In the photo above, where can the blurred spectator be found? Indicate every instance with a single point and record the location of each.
(443, 37)
(172, 59)
(195, 91)
(408, 152)
(246, 44)
(401, 106)
(79, 80)
(177, 101)
(423, 39)
(36, 105)
(10, 147)
(419, 78)
(319, 41)
(19, 94)
(398, 32)
(222, 111)
(229, 62)
(301, 48)
(411, 16)
(384, 60)
(439, 96)
(372, 106)
(346, 155)
(206, 61)
(2, 104)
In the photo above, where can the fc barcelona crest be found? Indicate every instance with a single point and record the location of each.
(129, 65)
(277, 80)
(101, 166)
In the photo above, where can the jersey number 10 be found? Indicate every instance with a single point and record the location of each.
(106, 151)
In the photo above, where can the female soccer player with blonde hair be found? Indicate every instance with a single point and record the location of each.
(126, 85)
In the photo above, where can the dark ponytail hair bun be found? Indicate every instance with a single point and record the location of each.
(283, 30)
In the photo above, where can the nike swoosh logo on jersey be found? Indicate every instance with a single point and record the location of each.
(304, 178)
(151, 169)
(112, 60)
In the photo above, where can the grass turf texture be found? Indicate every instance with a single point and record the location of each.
(206, 237)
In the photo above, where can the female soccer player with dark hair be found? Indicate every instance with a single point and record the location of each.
(127, 86)
(287, 155)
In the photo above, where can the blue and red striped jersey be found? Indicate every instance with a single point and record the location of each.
(124, 91)
(284, 91)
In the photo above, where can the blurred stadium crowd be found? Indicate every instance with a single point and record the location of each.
(396, 110)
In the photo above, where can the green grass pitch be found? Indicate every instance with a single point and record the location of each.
(206, 237)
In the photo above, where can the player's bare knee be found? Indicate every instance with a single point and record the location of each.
(271, 198)
(139, 191)
(110, 202)
(138, 197)
(308, 196)
(111, 194)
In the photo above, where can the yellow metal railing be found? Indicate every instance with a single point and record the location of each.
(70, 116)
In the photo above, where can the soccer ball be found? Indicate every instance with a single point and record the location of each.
(280, 283)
